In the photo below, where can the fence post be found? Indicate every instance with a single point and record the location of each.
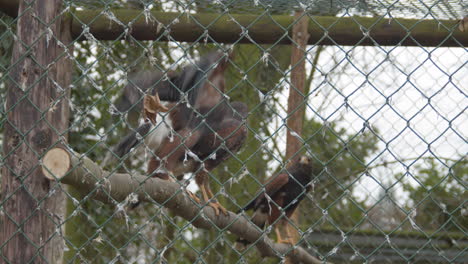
(37, 119)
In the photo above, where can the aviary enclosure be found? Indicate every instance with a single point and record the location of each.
(342, 123)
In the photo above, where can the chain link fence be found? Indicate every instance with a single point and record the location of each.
(384, 124)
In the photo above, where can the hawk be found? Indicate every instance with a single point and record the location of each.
(191, 126)
(282, 193)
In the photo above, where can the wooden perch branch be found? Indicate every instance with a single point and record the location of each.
(85, 175)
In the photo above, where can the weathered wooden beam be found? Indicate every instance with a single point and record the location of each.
(31, 209)
(248, 28)
(244, 28)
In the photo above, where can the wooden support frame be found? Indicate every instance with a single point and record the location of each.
(276, 29)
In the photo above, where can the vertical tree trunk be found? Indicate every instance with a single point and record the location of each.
(296, 106)
(37, 118)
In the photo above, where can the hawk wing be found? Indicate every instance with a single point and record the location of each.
(272, 186)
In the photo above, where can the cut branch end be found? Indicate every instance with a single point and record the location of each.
(56, 163)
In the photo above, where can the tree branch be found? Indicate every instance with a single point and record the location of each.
(86, 176)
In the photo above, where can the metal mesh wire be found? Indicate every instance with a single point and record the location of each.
(385, 126)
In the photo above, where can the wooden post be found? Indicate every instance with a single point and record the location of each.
(296, 107)
(37, 119)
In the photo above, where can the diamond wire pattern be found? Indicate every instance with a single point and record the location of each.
(373, 126)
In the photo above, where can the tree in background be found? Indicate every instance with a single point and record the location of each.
(437, 195)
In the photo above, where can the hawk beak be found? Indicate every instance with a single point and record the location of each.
(304, 160)
(152, 106)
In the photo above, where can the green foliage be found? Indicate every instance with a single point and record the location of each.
(340, 160)
(7, 29)
(438, 196)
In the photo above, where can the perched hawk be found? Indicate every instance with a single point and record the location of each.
(282, 193)
(191, 126)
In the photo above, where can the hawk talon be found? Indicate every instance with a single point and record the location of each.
(218, 207)
(162, 176)
(193, 196)
(289, 241)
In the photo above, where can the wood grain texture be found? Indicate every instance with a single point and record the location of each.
(37, 107)
(296, 97)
